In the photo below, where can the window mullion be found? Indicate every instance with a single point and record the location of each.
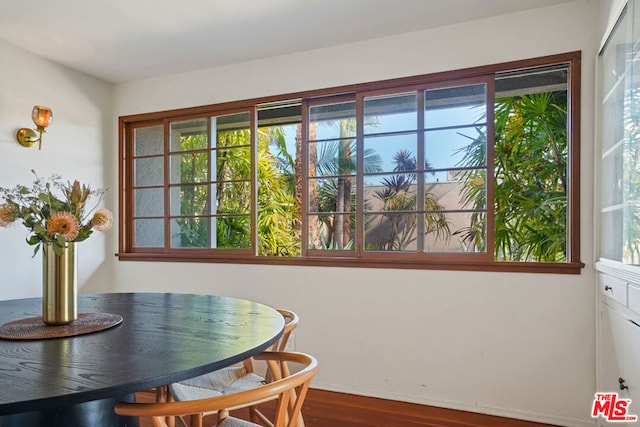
(490, 163)
(211, 200)
(253, 138)
(304, 178)
(359, 176)
(126, 198)
(167, 188)
(420, 173)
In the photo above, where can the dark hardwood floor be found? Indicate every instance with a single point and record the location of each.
(330, 409)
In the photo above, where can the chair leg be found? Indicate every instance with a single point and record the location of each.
(253, 416)
(161, 394)
(182, 421)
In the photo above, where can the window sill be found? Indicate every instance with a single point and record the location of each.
(461, 265)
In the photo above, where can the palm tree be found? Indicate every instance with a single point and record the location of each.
(313, 226)
(396, 199)
(335, 194)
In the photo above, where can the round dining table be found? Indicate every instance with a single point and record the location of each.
(163, 338)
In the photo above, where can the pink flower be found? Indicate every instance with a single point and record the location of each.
(102, 220)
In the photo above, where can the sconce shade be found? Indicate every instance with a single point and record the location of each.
(42, 116)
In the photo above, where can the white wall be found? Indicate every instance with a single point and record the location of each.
(609, 12)
(514, 344)
(74, 146)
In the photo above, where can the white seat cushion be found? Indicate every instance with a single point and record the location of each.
(224, 381)
(235, 422)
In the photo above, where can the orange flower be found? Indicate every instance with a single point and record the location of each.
(102, 220)
(63, 224)
(7, 214)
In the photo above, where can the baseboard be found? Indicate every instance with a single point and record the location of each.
(464, 406)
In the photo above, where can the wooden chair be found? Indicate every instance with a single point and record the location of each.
(234, 378)
(289, 387)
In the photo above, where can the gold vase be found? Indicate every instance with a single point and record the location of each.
(59, 292)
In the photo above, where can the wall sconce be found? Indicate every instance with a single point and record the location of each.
(42, 117)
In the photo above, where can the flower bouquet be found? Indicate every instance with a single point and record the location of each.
(55, 212)
(57, 217)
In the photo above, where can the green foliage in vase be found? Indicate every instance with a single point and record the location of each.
(54, 212)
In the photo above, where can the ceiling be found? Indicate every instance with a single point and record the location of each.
(126, 40)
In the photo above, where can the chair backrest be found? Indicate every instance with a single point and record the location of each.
(290, 323)
(289, 388)
(291, 320)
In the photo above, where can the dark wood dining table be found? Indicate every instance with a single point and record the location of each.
(163, 338)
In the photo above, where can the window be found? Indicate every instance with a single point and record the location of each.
(475, 169)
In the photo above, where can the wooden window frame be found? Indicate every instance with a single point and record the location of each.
(448, 261)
